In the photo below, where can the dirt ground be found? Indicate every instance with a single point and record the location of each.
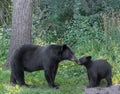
(115, 89)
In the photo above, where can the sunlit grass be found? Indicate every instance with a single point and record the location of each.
(68, 85)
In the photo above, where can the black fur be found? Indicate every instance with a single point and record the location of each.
(33, 58)
(96, 71)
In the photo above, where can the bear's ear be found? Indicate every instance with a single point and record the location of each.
(64, 46)
(89, 57)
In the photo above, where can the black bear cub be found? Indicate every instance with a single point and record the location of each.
(96, 70)
(33, 58)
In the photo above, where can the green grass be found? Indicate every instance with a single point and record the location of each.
(68, 84)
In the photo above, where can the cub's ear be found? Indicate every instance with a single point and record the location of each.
(89, 57)
(64, 46)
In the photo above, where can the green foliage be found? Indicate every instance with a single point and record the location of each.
(81, 30)
(115, 5)
(91, 7)
(5, 12)
(50, 17)
(4, 43)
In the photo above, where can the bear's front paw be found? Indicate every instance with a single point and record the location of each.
(109, 85)
(57, 87)
(13, 83)
(26, 85)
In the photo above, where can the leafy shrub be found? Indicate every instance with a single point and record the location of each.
(4, 44)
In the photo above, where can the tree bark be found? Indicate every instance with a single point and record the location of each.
(21, 26)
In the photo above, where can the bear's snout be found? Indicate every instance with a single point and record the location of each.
(74, 59)
(78, 62)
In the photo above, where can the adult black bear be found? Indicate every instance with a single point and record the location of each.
(33, 58)
(96, 70)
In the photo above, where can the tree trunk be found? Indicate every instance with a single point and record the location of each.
(21, 26)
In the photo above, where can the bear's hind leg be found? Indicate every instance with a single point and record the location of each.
(92, 84)
(98, 81)
(109, 80)
(12, 79)
(20, 78)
